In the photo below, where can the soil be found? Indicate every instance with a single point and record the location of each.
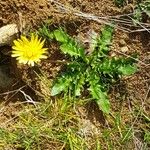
(30, 14)
(24, 13)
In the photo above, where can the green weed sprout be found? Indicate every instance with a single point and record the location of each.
(93, 72)
(119, 3)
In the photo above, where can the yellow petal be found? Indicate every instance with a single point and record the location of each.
(24, 39)
(43, 56)
(29, 51)
(31, 63)
(15, 55)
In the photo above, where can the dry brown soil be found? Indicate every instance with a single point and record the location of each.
(30, 14)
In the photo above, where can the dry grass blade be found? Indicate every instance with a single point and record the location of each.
(138, 114)
(128, 56)
(123, 22)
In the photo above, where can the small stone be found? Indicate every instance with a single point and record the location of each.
(122, 42)
(8, 33)
(113, 54)
(124, 49)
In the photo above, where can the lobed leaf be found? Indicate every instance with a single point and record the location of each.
(100, 97)
(60, 85)
(104, 40)
(61, 36)
(98, 92)
(70, 49)
(68, 44)
(45, 32)
(127, 69)
(80, 81)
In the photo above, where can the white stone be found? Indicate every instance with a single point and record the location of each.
(8, 34)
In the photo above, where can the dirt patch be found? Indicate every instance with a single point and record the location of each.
(30, 13)
(124, 96)
(24, 13)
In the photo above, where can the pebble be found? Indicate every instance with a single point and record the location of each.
(124, 49)
(8, 34)
(122, 42)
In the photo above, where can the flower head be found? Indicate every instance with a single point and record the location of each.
(29, 51)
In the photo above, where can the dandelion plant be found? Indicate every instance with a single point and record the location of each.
(93, 72)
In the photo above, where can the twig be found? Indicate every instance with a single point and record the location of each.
(138, 114)
(139, 61)
(105, 19)
(17, 90)
(28, 98)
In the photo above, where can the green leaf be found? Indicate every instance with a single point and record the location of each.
(45, 32)
(61, 85)
(100, 97)
(103, 103)
(77, 70)
(104, 41)
(68, 44)
(61, 36)
(68, 48)
(79, 84)
(127, 69)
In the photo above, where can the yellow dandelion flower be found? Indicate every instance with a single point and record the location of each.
(29, 51)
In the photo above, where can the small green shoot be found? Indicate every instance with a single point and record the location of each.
(119, 3)
(45, 32)
(147, 137)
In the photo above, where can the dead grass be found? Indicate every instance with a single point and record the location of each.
(64, 124)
